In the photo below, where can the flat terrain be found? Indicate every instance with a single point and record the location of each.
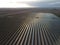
(29, 28)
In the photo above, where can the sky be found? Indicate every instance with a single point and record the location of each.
(46, 4)
(29, 3)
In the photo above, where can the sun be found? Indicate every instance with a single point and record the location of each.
(23, 0)
(15, 4)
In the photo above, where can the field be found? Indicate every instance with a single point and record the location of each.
(33, 26)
